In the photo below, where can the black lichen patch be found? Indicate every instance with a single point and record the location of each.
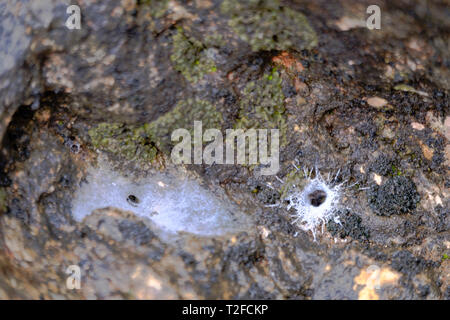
(441, 224)
(385, 166)
(267, 195)
(263, 192)
(350, 226)
(397, 196)
(405, 262)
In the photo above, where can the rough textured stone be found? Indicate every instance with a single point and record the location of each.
(138, 69)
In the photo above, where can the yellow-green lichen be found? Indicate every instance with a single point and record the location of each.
(3, 200)
(294, 179)
(262, 106)
(157, 7)
(214, 40)
(128, 142)
(142, 142)
(396, 171)
(267, 25)
(182, 117)
(190, 57)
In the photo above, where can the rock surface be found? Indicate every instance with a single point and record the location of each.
(371, 104)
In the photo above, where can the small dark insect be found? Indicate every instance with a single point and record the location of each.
(317, 197)
(133, 200)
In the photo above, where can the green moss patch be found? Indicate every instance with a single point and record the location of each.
(262, 105)
(128, 142)
(157, 7)
(266, 25)
(143, 142)
(3, 200)
(183, 116)
(190, 57)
